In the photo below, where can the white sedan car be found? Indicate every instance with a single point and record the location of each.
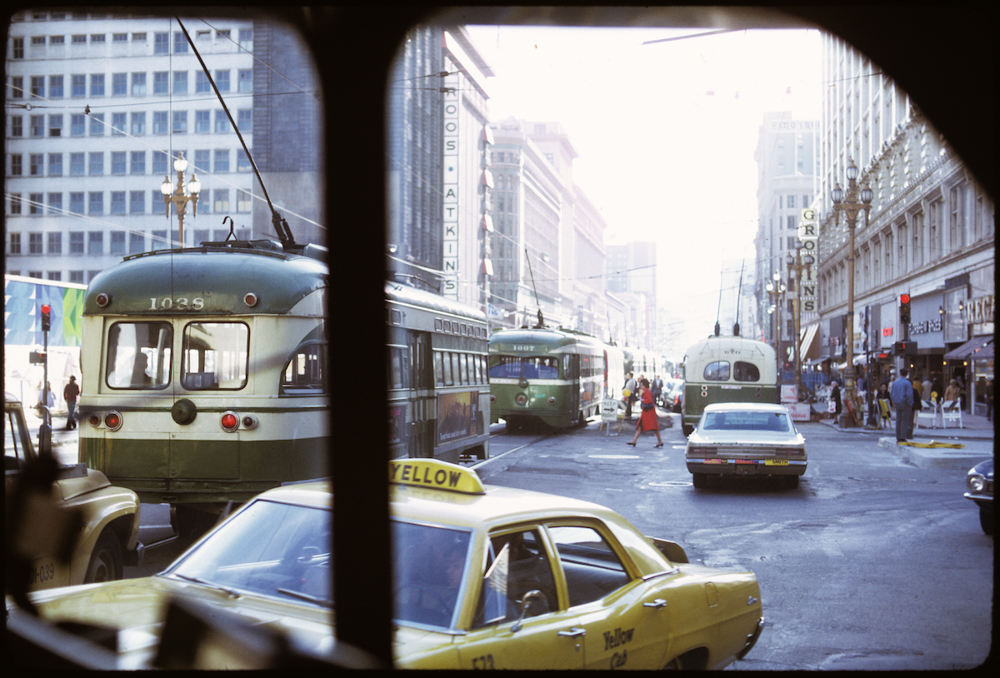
(746, 439)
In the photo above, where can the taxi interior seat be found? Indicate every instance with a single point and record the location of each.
(587, 583)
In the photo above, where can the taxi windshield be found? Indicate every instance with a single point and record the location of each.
(429, 566)
(270, 548)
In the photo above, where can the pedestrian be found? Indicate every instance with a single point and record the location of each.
(917, 401)
(884, 401)
(631, 386)
(70, 394)
(648, 421)
(835, 397)
(42, 398)
(902, 398)
(656, 388)
(951, 393)
(927, 388)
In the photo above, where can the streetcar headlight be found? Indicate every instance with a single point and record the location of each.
(113, 420)
(521, 399)
(493, 398)
(249, 422)
(103, 299)
(230, 421)
(977, 483)
(552, 400)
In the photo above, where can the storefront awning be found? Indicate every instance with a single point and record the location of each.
(979, 348)
(806, 336)
(815, 361)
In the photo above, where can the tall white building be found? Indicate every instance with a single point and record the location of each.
(99, 105)
(930, 234)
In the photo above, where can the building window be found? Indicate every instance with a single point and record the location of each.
(15, 165)
(161, 82)
(78, 40)
(117, 242)
(98, 37)
(118, 162)
(221, 160)
(160, 161)
(117, 123)
(201, 83)
(17, 87)
(138, 124)
(55, 276)
(222, 80)
(95, 242)
(96, 163)
(55, 203)
(221, 122)
(38, 86)
(119, 37)
(244, 201)
(137, 162)
(38, 40)
(35, 243)
(220, 202)
(242, 161)
(36, 164)
(57, 40)
(136, 243)
(18, 48)
(76, 207)
(244, 120)
(180, 122)
(161, 43)
(17, 126)
(790, 220)
(55, 125)
(97, 84)
(160, 122)
(245, 80)
(180, 43)
(246, 39)
(159, 240)
(15, 243)
(55, 242)
(55, 165)
(76, 241)
(76, 277)
(38, 125)
(95, 202)
(138, 84)
(97, 124)
(119, 84)
(35, 204)
(180, 82)
(202, 160)
(15, 203)
(117, 204)
(202, 122)
(137, 202)
(55, 86)
(77, 124)
(138, 37)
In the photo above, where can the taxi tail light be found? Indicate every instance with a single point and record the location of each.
(113, 420)
(708, 451)
(230, 421)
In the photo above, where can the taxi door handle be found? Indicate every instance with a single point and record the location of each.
(573, 632)
(658, 603)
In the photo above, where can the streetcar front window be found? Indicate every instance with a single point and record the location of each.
(139, 355)
(527, 368)
(215, 356)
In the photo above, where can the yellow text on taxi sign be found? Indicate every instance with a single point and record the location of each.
(439, 475)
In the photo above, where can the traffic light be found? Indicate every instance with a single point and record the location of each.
(904, 309)
(46, 321)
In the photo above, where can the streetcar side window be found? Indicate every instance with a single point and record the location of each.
(139, 355)
(717, 371)
(215, 356)
(743, 371)
(305, 372)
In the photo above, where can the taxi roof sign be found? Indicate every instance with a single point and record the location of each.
(437, 475)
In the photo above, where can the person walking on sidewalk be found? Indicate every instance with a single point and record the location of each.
(648, 421)
(902, 398)
(631, 386)
(70, 394)
(838, 404)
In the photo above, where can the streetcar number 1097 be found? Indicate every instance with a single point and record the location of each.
(180, 304)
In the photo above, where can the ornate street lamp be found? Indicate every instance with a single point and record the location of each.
(796, 266)
(777, 290)
(178, 196)
(850, 206)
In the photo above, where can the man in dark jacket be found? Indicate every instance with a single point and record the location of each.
(902, 399)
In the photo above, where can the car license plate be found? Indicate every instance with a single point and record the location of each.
(776, 462)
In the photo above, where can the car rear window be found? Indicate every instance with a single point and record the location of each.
(746, 421)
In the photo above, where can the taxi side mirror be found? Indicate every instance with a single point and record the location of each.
(532, 599)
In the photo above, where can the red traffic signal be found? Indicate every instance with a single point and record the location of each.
(904, 298)
(904, 309)
(46, 320)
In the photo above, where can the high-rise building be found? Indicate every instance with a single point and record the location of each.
(99, 106)
(930, 233)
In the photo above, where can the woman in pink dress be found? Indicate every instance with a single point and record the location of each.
(648, 421)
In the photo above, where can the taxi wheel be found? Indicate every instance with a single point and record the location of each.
(700, 480)
(791, 482)
(106, 560)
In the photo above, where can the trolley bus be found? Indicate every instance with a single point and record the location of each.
(555, 376)
(204, 374)
(725, 369)
(438, 391)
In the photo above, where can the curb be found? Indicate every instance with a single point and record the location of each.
(961, 459)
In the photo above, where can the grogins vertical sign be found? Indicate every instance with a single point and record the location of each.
(449, 259)
(809, 236)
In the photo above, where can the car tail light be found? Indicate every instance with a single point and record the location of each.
(113, 420)
(230, 421)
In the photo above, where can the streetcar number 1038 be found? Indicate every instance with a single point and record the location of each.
(180, 303)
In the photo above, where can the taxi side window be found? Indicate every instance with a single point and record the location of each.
(516, 564)
(591, 567)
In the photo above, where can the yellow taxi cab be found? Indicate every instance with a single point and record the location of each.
(79, 508)
(485, 577)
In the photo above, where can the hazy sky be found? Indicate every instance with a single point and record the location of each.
(665, 134)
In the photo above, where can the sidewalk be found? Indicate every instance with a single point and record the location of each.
(975, 439)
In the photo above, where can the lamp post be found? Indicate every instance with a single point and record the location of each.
(178, 196)
(777, 290)
(797, 265)
(850, 206)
